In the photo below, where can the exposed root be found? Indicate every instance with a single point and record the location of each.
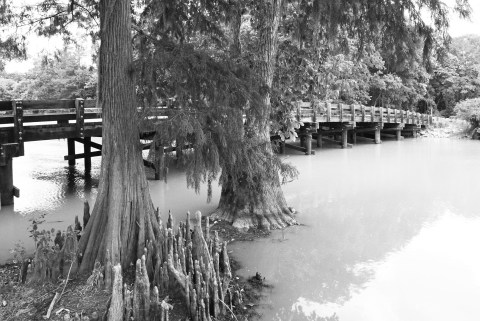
(245, 219)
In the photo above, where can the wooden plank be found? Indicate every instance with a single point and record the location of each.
(295, 147)
(388, 135)
(5, 105)
(331, 131)
(46, 132)
(340, 106)
(336, 142)
(90, 103)
(82, 155)
(365, 129)
(363, 113)
(48, 104)
(85, 141)
(366, 138)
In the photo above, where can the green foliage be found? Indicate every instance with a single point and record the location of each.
(18, 252)
(469, 109)
(454, 80)
(59, 77)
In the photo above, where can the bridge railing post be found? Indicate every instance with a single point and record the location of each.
(17, 110)
(80, 117)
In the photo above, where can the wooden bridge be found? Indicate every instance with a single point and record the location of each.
(79, 120)
(341, 124)
(34, 120)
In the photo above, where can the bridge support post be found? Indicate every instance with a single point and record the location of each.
(398, 133)
(178, 149)
(319, 139)
(302, 140)
(87, 150)
(353, 137)
(281, 147)
(377, 136)
(308, 143)
(6, 182)
(344, 138)
(159, 160)
(71, 150)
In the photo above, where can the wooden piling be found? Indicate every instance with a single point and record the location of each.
(308, 143)
(398, 133)
(6, 182)
(353, 136)
(319, 139)
(87, 151)
(281, 147)
(159, 160)
(377, 136)
(344, 138)
(71, 151)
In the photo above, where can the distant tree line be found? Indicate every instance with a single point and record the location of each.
(57, 76)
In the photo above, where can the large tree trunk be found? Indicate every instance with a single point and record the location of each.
(261, 204)
(123, 216)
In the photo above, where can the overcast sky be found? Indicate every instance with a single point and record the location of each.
(458, 27)
(461, 27)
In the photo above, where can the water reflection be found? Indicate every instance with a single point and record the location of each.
(51, 189)
(390, 232)
(362, 207)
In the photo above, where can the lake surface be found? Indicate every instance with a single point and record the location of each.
(389, 232)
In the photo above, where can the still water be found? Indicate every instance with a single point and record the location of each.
(389, 232)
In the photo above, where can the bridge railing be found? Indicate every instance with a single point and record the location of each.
(31, 120)
(337, 112)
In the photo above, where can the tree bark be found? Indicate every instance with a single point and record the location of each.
(123, 217)
(263, 204)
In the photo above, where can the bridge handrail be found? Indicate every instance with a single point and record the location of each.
(58, 110)
(339, 112)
